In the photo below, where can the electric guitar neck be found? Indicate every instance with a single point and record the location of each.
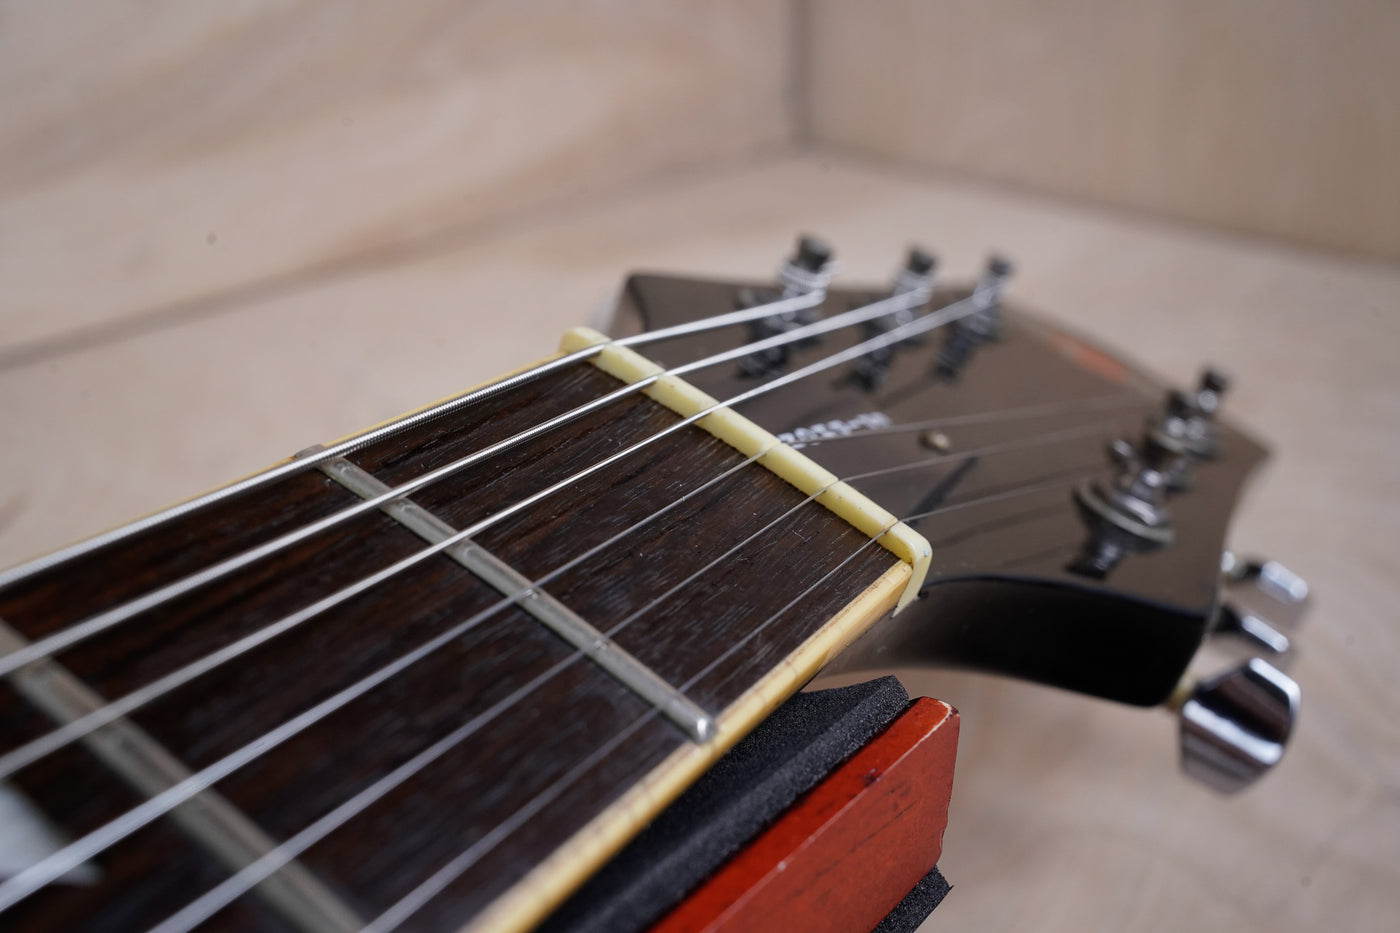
(436, 675)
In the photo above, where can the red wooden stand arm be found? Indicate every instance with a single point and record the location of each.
(843, 856)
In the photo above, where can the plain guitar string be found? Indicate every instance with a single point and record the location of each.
(42, 872)
(269, 863)
(102, 621)
(52, 741)
(414, 900)
(81, 850)
(406, 906)
(898, 334)
(419, 896)
(408, 422)
(410, 903)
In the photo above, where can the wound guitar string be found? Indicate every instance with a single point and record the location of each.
(84, 629)
(859, 350)
(267, 864)
(98, 840)
(86, 724)
(406, 906)
(789, 305)
(274, 859)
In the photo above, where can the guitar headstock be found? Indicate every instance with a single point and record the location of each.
(1077, 506)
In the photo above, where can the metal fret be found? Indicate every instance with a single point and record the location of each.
(697, 724)
(208, 818)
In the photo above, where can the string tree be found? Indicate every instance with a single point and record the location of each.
(806, 273)
(984, 322)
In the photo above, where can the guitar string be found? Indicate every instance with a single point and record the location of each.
(47, 744)
(248, 877)
(859, 350)
(52, 741)
(35, 876)
(76, 853)
(410, 903)
(106, 619)
(1047, 410)
(410, 421)
(46, 646)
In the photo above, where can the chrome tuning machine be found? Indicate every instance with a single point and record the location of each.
(1235, 725)
(1127, 514)
(807, 272)
(1186, 424)
(1261, 607)
(981, 325)
(915, 280)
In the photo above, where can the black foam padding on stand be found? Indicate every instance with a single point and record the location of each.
(789, 753)
(917, 904)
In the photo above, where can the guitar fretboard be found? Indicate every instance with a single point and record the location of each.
(503, 690)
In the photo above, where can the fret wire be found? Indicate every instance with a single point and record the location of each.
(393, 917)
(415, 899)
(52, 741)
(290, 848)
(108, 618)
(399, 425)
(55, 865)
(410, 903)
(44, 745)
(216, 898)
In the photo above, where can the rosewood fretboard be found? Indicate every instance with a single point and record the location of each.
(554, 743)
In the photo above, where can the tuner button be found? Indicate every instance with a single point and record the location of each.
(1253, 628)
(1234, 726)
(1269, 577)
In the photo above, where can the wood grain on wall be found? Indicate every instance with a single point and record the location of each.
(156, 153)
(1279, 117)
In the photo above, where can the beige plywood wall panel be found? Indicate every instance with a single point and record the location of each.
(1279, 117)
(153, 153)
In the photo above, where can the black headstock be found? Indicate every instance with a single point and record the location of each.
(1008, 442)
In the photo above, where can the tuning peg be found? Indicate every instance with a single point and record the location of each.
(1261, 609)
(806, 272)
(808, 269)
(1186, 423)
(1234, 726)
(982, 324)
(915, 278)
(1269, 577)
(1210, 390)
(1252, 628)
(813, 254)
(1127, 514)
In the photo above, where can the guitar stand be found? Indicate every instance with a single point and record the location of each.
(829, 816)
